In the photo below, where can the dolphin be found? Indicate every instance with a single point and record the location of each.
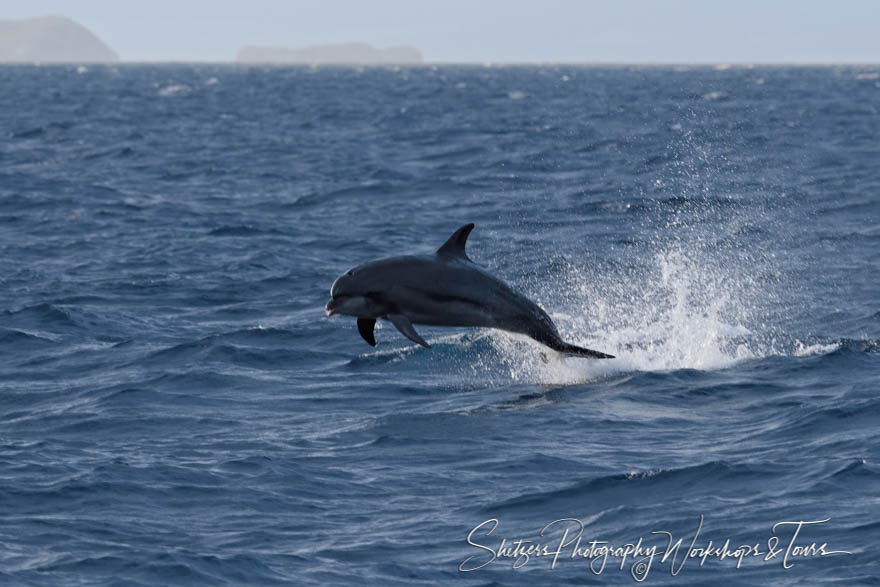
(442, 289)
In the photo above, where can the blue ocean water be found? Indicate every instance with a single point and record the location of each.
(175, 407)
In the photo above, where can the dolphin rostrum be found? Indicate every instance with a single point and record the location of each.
(443, 289)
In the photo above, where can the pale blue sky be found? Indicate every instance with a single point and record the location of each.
(487, 30)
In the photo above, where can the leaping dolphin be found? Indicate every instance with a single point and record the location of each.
(443, 289)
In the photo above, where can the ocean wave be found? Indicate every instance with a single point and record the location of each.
(42, 320)
(175, 90)
(28, 133)
(243, 231)
(22, 340)
(255, 347)
(609, 490)
(342, 194)
(176, 407)
(856, 469)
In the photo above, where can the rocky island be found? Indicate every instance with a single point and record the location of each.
(51, 39)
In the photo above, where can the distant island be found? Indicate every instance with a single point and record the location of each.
(51, 39)
(58, 39)
(338, 54)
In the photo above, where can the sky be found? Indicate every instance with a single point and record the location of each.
(479, 31)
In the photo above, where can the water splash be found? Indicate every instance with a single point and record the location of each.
(803, 349)
(679, 312)
(681, 316)
(689, 294)
(692, 280)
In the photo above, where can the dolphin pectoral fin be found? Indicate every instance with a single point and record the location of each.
(365, 327)
(405, 327)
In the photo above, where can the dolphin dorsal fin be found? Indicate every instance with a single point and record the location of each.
(455, 245)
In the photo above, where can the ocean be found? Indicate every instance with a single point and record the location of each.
(176, 408)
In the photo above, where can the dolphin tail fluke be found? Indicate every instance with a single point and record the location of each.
(570, 349)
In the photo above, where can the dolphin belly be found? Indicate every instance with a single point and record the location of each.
(441, 309)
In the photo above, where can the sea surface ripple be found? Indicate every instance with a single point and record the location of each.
(175, 408)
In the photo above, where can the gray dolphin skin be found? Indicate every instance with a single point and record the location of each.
(443, 289)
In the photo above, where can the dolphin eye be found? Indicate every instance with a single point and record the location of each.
(350, 272)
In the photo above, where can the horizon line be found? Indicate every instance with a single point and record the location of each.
(485, 63)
